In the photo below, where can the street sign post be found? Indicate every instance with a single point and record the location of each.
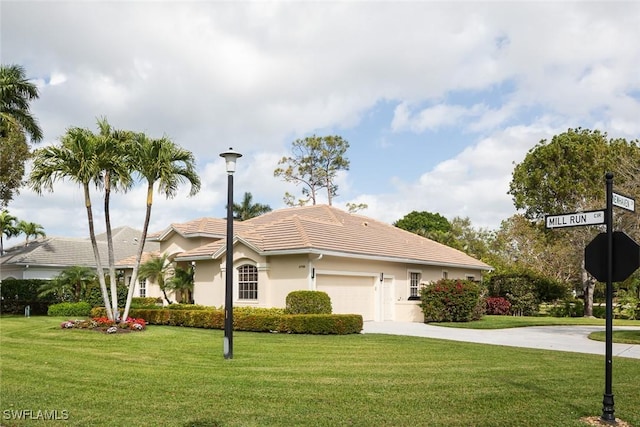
(624, 202)
(610, 257)
(574, 219)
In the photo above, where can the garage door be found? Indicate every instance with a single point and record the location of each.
(349, 294)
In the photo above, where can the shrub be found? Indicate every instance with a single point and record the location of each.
(519, 289)
(497, 306)
(568, 308)
(322, 324)
(70, 309)
(450, 300)
(308, 302)
(16, 294)
(140, 302)
(95, 297)
(187, 307)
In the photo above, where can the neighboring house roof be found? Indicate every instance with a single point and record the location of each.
(320, 229)
(67, 252)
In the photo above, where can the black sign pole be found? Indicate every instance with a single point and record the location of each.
(607, 400)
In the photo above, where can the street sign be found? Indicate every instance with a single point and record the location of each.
(624, 202)
(574, 219)
(626, 257)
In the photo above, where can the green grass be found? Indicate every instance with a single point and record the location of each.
(170, 376)
(623, 337)
(503, 322)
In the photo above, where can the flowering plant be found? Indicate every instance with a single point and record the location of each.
(104, 324)
(103, 321)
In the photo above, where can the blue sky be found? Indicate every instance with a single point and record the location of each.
(437, 99)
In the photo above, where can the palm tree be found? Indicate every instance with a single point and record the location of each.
(75, 281)
(156, 269)
(247, 209)
(181, 282)
(7, 228)
(31, 229)
(75, 160)
(16, 122)
(15, 94)
(164, 162)
(113, 147)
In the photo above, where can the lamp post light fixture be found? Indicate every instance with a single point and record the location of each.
(230, 157)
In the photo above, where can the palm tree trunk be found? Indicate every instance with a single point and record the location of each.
(96, 252)
(136, 266)
(112, 264)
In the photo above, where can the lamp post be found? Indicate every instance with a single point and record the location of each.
(230, 157)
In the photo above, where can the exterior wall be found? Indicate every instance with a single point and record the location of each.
(178, 243)
(285, 274)
(280, 275)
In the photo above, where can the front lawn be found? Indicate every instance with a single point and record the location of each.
(172, 376)
(622, 337)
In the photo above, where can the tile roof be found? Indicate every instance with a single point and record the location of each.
(66, 251)
(326, 229)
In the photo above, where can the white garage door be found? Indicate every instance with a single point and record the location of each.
(349, 294)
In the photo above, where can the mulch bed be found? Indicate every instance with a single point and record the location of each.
(596, 421)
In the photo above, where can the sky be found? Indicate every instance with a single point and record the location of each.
(437, 100)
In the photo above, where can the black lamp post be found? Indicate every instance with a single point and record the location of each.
(230, 157)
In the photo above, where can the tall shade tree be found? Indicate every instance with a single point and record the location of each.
(424, 223)
(8, 228)
(314, 164)
(31, 229)
(73, 160)
(567, 175)
(247, 209)
(157, 269)
(113, 149)
(163, 162)
(16, 123)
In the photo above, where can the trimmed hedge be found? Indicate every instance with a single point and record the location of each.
(140, 302)
(70, 309)
(263, 320)
(308, 302)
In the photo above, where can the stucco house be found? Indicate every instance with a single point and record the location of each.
(46, 257)
(366, 266)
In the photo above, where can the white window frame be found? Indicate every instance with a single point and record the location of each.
(247, 282)
(142, 288)
(415, 278)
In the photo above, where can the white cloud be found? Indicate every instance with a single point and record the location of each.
(257, 75)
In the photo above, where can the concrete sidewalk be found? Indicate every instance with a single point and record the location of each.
(560, 338)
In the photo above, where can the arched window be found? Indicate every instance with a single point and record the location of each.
(247, 282)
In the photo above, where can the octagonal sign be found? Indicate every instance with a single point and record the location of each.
(626, 257)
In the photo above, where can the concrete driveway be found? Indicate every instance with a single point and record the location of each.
(560, 338)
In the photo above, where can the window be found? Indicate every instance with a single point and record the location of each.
(445, 274)
(471, 277)
(247, 282)
(414, 285)
(143, 287)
